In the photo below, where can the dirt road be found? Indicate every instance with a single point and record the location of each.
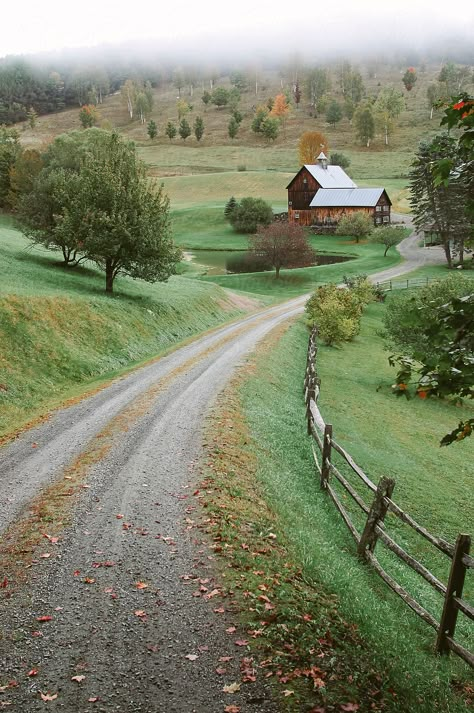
(115, 610)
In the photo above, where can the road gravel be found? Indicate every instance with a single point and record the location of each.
(129, 583)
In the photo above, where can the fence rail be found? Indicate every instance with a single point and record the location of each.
(398, 284)
(375, 530)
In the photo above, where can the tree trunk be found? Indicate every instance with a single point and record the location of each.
(386, 250)
(447, 252)
(386, 135)
(368, 143)
(109, 276)
(431, 112)
(277, 272)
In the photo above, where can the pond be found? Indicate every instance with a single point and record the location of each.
(214, 262)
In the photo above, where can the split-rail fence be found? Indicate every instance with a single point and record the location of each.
(375, 531)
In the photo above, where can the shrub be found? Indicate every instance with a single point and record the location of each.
(357, 225)
(362, 288)
(249, 214)
(247, 262)
(337, 313)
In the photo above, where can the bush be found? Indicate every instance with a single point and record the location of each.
(357, 225)
(362, 288)
(249, 214)
(411, 313)
(247, 262)
(336, 312)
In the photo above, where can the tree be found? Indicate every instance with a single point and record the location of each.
(280, 108)
(336, 312)
(120, 221)
(88, 116)
(388, 235)
(388, 105)
(357, 225)
(170, 130)
(334, 113)
(232, 128)
(32, 117)
(183, 108)
(184, 129)
(339, 159)
(439, 205)
(349, 109)
(23, 173)
(142, 105)
(261, 114)
(220, 97)
(282, 245)
(206, 97)
(317, 84)
(452, 79)
(270, 128)
(433, 94)
(10, 149)
(364, 124)
(234, 99)
(239, 80)
(249, 214)
(310, 145)
(297, 94)
(128, 94)
(238, 116)
(152, 129)
(198, 128)
(230, 206)
(409, 78)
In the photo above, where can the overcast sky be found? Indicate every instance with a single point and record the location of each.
(37, 25)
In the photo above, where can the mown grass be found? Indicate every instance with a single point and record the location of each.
(60, 331)
(386, 437)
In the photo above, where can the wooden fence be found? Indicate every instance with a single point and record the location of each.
(374, 529)
(399, 284)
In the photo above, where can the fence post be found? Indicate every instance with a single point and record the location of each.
(326, 456)
(311, 395)
(376, 515)
(455, 586)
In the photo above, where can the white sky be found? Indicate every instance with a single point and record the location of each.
(37, 25)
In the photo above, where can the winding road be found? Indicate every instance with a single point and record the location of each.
(106, 617)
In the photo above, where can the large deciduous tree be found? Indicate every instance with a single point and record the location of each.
(10, 149)
(103, 207)
(249, 214)
(364, 123)
(388, 105)
(356, 225)
(310, 145)
(282, 245)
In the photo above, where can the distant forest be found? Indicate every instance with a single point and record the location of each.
(49, 83)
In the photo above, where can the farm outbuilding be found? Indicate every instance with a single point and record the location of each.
(321, 194)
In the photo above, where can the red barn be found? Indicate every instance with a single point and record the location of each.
(322, 194)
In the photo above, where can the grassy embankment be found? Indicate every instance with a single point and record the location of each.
(60, 333)
(386, 436)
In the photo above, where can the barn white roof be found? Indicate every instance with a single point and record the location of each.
(346, 197)
(330, 177)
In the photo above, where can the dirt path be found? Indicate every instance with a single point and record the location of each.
(114, 610)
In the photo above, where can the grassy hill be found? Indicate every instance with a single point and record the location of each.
(60, 334)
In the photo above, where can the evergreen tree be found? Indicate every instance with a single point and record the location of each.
(184, 129)
(152, 129)
(232, 128)
(334, 113)
(198, 128)
(170, 130)
(230, 206)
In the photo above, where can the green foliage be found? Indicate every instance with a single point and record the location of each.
(198, 128)
(388, 235)
(362, 288)
(88, 116)
(339, 159)
(232, 128)
(239, 80)
(358, 225)
(364, 124)
(249, 214)
(184, 129)
(152, 129)
(183, 108)
(388, 105)
(282, 245)
(10, 149)
(270, 128)
(220, 97)
(238, 116)
(409, 78)
(334, 113)
(336, 312)
(170, 130)
(261, 114)
(206, 97)
(317, 84)
(230, 206)
(23, 173)
(31, 117)
(410, 313)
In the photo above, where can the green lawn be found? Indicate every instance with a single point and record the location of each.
(386, 436)
(59, 331)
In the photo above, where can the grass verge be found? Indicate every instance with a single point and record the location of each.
(326, 628)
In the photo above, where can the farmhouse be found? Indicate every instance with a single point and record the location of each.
(321, 194)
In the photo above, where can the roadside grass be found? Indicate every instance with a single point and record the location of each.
(368, 648)
(59, 331)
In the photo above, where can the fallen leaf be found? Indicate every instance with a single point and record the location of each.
(214, 593)
(191, 657)
(4, 583)
(77, 572)
(78, 678)
(33, 672)
(349, 706)
(44, 618)
(140, 613)
(89, 580)
(36, 633)
(119, 516)
(231, 630)
(232, 688)
(141, 585)
(241, 642)
(94, 699)
(48, 696)
(46, 555)
(231, 709)
(288, 692)
(224, 659)
(203, 648)
(221, 671)
(220, 610)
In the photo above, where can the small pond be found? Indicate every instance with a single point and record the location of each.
(214, 262)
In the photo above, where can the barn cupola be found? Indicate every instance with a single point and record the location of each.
(322, 160)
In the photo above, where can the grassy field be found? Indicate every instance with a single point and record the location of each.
(60, 333)
(386, 436)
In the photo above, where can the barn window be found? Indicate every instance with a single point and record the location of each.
(378, 208)
(297, 215)
(290, 202)
(386, 218)
(378, 220)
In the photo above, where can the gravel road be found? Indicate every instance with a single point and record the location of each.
(127, 582)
